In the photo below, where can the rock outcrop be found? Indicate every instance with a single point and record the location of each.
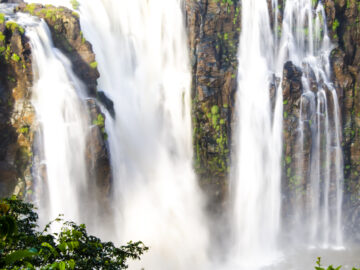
(67, 36)
(18, 127)
(343, 20)
(213, 28)
(17, 115)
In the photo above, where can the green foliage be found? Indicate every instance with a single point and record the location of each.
(75, 4)
(214, 109)
(24, 247)
(24, 130)
(100, 121)
(93, 64)
(30, 8)
(2, 18)
(320, 267)
(288, 159)
(15, 57)
(335, 26)
(13, 26)
(2, 37)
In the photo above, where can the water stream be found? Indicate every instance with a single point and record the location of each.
(258, 170)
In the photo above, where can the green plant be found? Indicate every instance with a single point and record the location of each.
(93, 64)
(14, 26)
(75, 4)
(2, 18)
(2, 36)
(320, 267)
(30, 8)
(15, 57)
(22, 246)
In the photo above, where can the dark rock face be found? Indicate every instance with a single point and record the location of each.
(292, 90)
(67, 36)
(213, 29)
(18, 124)
(12, 1)
(343, 23)
(97, 156)
(17, 116)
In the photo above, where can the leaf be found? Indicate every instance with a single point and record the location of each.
(62, 266)
(71, 264)
(18, 256)
(52, 249)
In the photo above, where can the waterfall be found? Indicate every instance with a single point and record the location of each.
(258, 153)
(58, 97)
(305, 42)
(141, 49)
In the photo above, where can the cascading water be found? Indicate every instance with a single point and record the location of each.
(145, 71)
(58, 98)
(258, 153)
(142, 56)
(305, 42)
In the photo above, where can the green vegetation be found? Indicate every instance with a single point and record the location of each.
(320, 267)
(75, 4)
(2, 18)
(24, 130)
(100, 122)
(30, 8)
(93, 64)
(22, 246)
(15, 57)
(335, 26)
(13, 26)
(2, 37)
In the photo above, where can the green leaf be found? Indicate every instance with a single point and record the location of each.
(62, 266)
(18, 256)
(52, 249)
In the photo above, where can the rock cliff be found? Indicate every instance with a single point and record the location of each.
(19, 127)
(213, 29)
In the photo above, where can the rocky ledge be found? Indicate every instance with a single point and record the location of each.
(18, 124)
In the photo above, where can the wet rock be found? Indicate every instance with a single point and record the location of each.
(107, 102)
(17, 114)
(65, 28)
(12, 1)
(8, 179)
(97, 156)
(213, 29)
(343, 24)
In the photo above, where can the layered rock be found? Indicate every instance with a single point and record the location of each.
(65, 28)
(16, 111)
(18, 126)
(213, 28)
(343, 20)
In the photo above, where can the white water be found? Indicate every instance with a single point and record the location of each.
(141, 50)
(258, 153)
(58, 98)
(305, 42)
